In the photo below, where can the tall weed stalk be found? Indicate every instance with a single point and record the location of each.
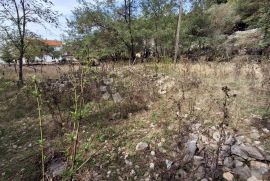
(37, 94)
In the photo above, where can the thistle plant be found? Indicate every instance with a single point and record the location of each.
(76, 116)
(36, 93)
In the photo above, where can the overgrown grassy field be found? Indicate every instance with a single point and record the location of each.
(156, 98)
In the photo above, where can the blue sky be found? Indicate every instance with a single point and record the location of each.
(64, 7)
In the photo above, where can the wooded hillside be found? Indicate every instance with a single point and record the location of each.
(122, 29)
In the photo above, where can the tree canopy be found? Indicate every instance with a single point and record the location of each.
(108, 29)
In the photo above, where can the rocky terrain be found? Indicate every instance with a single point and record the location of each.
(151, 122)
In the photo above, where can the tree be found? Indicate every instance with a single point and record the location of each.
(159, 21)
(33, 50)
(6, 53)
(178, 31)
(15, 15)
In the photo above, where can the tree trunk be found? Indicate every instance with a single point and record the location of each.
(132, 51)
(20, 70)
(178, 31)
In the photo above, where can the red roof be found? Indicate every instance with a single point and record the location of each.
(53, 43)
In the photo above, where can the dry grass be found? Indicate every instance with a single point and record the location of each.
(41, 72)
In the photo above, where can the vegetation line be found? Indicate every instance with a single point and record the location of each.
(41, 141)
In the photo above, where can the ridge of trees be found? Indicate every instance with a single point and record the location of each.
(120, 29)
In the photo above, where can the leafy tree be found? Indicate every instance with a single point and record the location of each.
(15, 15)
(33, 50)
(6, 53)
(223, 18)
(158, 22)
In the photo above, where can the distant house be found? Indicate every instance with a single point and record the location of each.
(57, 46)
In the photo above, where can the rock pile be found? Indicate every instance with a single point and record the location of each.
(108, 92)
(237, 157)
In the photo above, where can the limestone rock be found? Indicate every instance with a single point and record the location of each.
(141, 146)
(228, 162)
(243, 172)
(106, 96)
(238, 163)
(198, 160)
(247, 151)
(216, 136)
(252, 179)
(152, 166)
(255, 134)
(117, 97)
(181, 174)
(168, 163)
(191, 147)
(258, 169)
(228, 176)
(56, 167)
(103, 88)
(107, 81)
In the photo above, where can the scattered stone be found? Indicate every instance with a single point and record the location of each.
(129, 163)
(107, 81)
(162, 150)
(181, 174)
(14, 146)
(258, 169)
(103, 89)
(109, 173)
(56, 167)
(265, 130)
(116, 116)
(228, 176)
(225, 148)
(228, 162)
(152, 166)
(160, 144)
(206, 122)
(162, 91)
(204, 139)
(191, 147)
(106, 96)
(243, 172)
(216, 136)
(238, 163)
(247, 151)
(204, 179)
(196, 126)
(255, 134)
(168, 164)
(230, 141)
(153, 153)
(117, 97)
(213, 146)
(198, 160)
(141, 146)
(132, 172)
(252, 179)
